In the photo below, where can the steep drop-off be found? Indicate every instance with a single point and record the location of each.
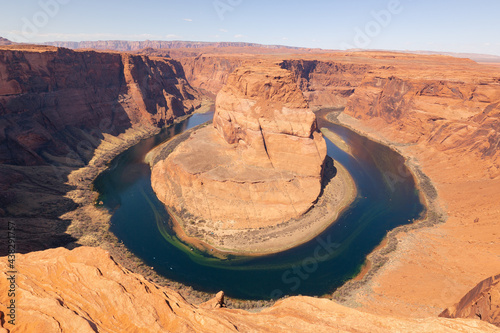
(57, 107)
(327, 83)
(209, 72)
(324, 82)
(454, 112)
(259, 165)
(442, 114)
(50, 99)
(439, 112)
(85, 290)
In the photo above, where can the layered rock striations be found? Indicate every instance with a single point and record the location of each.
(209, 73)
(85, 290)
(324, 82)
(261, 163)
(49, 96)
(327, 83)
(62, 110)
(442, 114)
(450, 104)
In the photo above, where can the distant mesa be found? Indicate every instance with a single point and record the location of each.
(5, 41)
(124, 45)
(260, 164)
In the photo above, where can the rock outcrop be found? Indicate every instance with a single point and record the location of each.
(85, 290)
(482, 302)
(262, 162)
(441, 113)
(216, 302)
(209, 73)
(450, 104)
(324, 82)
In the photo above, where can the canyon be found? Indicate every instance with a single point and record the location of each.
(121, 45)
(441, 113)
(260, 165)
(61, 110)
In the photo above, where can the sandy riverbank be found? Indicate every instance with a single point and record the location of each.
(108, 241)
(428, 265)
(384, 252)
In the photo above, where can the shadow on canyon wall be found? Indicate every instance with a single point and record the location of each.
(57, 107)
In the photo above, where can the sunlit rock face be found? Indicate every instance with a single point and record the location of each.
(261, 163)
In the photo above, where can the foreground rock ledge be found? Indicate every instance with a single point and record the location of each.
(85, 290)
(261, 163)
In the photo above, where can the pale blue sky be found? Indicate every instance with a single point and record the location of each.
(435, 25)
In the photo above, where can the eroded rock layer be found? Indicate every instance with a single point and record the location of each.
(52, 99)
(61, 110)
(260, 163)
(85, 290)
(482, 302)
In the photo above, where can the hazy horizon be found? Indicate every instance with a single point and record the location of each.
(398, 25)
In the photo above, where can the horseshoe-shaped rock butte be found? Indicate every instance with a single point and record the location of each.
(260, 164)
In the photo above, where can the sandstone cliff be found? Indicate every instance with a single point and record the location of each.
(451, 111)
(51, 99)
(85, 290)
(56, 107)
(327, 83)
(209, 72)
(441, 113)
(324, 82)
(261, 164)
(482, 302)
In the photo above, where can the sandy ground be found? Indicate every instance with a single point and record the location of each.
(432, 265)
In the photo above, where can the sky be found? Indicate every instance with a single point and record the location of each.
(464, 26)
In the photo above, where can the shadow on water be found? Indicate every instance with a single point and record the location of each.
(387, 198)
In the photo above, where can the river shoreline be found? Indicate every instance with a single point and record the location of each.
(108, 241)
(90, 222)
(383, 253)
